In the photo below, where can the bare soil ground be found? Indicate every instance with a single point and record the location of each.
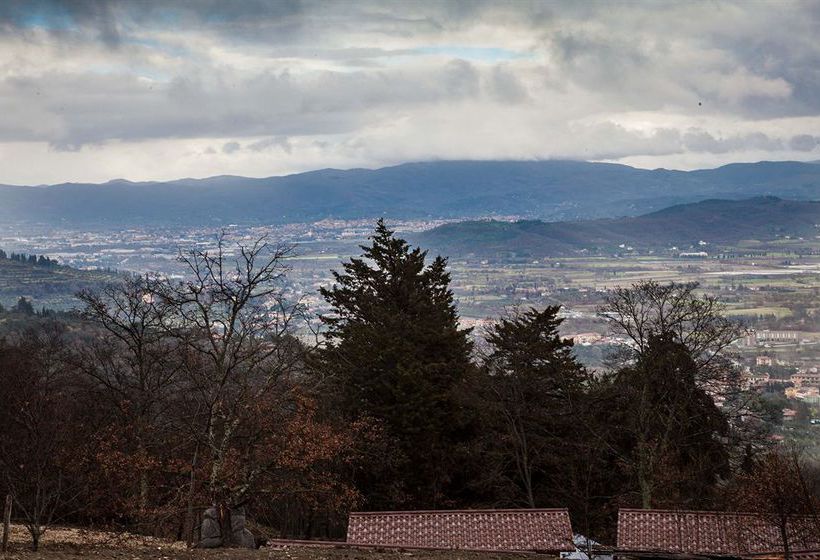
(72, 544)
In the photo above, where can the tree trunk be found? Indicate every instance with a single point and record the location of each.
(784, 535)
(225, 524)
(530, 496)
(6, 523)
(189, 516)
(645, 485)
(35, 532)
(143, 475)
(143, 492)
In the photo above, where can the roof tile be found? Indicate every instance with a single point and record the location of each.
(708, 532)
(519, 529)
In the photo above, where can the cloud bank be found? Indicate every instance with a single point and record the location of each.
(91, 90)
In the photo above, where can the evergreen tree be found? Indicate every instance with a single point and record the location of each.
(532, 382)
(24, 306)
(396, 354)
(666, 431)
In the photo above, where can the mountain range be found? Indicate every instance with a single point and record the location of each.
(709, 223)
(547, 190)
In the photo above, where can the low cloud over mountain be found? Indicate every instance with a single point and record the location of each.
(155, 90)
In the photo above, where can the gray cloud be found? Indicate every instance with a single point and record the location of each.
(367, 83)
(506, 87)
(231, 147)
(281, 142)
(702, 141)
(60, 17)
(804, 142)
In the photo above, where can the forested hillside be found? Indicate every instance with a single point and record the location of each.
(44, 281)
(715, 222)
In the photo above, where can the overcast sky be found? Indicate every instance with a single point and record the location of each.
(94, 90)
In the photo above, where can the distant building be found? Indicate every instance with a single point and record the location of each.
(806, 378)
(776, 336)
(763, 361)
(810, 395)
(693, 255)
(758, 379)
(586, 339)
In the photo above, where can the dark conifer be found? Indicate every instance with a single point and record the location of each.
(24, 306)
(396, 353)
(671, 432)
(533, 384)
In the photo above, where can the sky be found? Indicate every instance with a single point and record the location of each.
(92, 90)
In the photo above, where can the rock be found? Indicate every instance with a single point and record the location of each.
(241, 536)
(210, 532)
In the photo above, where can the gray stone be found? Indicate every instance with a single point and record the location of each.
(210, 532)
(241, 536)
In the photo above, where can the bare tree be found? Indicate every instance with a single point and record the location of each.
(674, 367)
(40, 427)
(783, 490)
(232, 314)
(135, 365)
(649, 309)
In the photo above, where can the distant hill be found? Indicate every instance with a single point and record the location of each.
(548, 190)
(50, 286)
(717, 222)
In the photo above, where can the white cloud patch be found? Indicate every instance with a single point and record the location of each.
(155, 90)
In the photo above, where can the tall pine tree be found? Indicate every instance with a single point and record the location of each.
(396, 354)
(532, 384)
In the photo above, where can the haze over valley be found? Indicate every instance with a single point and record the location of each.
(501, 262)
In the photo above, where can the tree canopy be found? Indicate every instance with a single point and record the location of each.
(395, 353)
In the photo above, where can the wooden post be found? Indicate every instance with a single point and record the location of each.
(6, 523)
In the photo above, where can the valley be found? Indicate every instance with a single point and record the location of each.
(768, 287)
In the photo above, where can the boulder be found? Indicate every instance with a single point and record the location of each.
(211, 530)
(210, 535)
(241, 536)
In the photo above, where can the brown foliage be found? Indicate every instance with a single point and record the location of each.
(783, 489)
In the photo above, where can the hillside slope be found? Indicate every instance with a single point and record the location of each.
(717, 222)
(51, 287)
(551, 190)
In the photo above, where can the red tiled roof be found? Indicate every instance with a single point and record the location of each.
(705, 532)
(492, 529)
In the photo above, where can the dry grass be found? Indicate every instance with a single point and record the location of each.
(58, 542)
(65, 543)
